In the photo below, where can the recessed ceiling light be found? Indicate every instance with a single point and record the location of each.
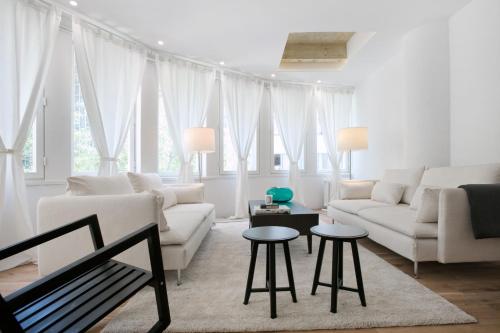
(319, 81)
(160, 42)
(221, 63)
(273, 75)
(73, 3)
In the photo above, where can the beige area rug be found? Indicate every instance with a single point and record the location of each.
(211, 297)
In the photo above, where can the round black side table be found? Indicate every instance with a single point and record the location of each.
(338, 233)
(270, 236)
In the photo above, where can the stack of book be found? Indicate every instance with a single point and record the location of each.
(271, 209)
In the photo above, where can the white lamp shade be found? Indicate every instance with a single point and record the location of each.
(352, 138)
(199, 139)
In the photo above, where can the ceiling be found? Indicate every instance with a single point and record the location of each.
(250, 35)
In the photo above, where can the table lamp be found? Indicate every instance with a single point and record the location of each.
(199, 140)
(352, 138)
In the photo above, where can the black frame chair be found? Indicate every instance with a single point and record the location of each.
(80, 294)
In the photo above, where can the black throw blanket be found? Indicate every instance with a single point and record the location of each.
(484, 201)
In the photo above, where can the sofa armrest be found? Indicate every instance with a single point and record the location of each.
(456, 242)
(118, 216)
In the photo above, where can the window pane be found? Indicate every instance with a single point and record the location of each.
(169, 163)
(323, 161)
(280, 158)
(86, 159)
(230, 155)
(29, 151)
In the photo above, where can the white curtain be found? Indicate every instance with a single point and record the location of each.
(242, 101)
(110, 71)
(334, 111)
(28, 30)
(291, 106)
(186, 89)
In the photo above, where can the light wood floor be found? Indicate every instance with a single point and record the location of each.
(475, 288)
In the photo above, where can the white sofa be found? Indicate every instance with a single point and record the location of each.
(450, 240)
(119, 215)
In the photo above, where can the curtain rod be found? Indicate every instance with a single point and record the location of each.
(152, 53)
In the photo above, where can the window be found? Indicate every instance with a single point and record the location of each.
(33, 150)
(85, 158)
(29, 151)
(229, 154)
(280, 159)
(168, 162)
(323, 162)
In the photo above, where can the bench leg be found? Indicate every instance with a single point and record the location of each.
(159, 284)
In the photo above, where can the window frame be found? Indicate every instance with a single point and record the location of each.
(39, 142)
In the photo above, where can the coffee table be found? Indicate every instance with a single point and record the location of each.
(300, 218)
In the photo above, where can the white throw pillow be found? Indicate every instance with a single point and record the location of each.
(390, 193)
(428, 206)
(188, 193)
(99, 185)
(169, 197)
(417, 198)
(408, 177)
(356, 189)
(144, 181)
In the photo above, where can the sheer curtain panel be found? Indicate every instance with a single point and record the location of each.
(334, 111)
(110, 70)
(186, 88)
(291, 106)
(28, 30)
(242, 101)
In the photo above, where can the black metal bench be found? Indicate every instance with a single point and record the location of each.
(75, 297)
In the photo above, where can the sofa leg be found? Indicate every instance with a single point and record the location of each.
(415, 269)
(179, 280)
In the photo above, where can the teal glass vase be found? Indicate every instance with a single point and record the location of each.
(280, 194)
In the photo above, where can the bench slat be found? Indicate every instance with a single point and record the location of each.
(43, 302)
(91, 318)
(106, 299)
(73, 301)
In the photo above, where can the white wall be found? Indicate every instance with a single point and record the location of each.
(475, 83)
(220, 189)
(379, 105)
(405, 105)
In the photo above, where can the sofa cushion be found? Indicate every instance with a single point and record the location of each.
(390, 193)
(99, 185)
(456, 176)
(428, 207)
(408, 177)
(356, 189)
(144, 181)
(188, 193)
(183, 220)
(354, 206)
(168, 195)
(400, 218)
